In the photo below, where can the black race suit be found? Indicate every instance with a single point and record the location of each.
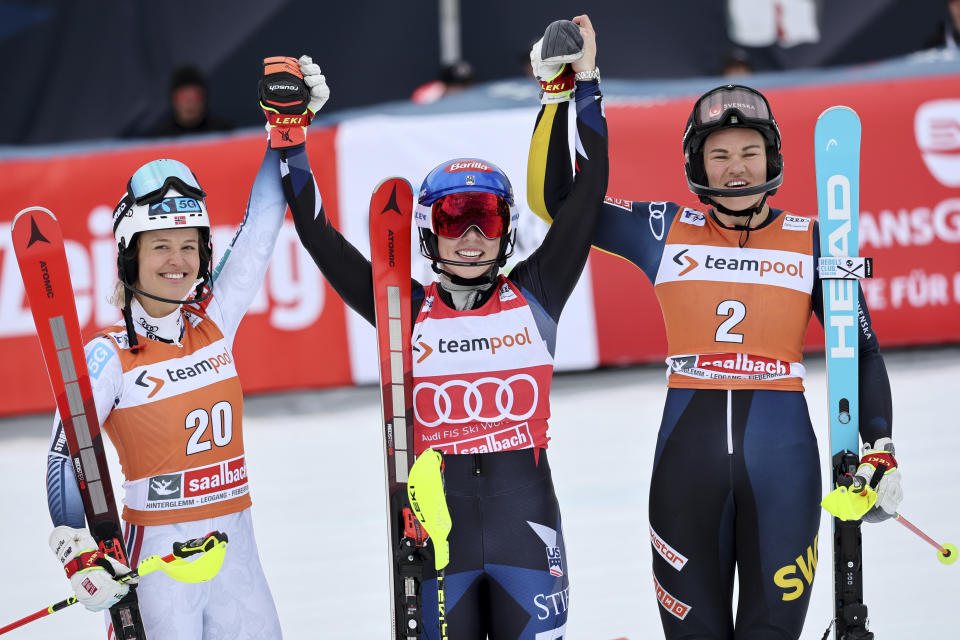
(498, 582)
(736, 481)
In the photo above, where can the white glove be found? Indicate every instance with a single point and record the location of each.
(550, 58)
(316, 82)
(889, 491)
(92, 574)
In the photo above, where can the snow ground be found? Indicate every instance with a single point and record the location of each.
(316, 472)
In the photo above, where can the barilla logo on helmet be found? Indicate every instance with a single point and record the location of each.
(468, 165)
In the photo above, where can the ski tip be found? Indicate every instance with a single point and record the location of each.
(838, 108)
(29, 209)
(388, 179)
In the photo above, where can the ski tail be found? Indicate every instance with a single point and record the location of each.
(391, 214)
(837, 154)
(39, 247)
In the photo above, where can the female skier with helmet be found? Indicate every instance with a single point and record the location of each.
(167, 394)
(736, 478)
(507, 575)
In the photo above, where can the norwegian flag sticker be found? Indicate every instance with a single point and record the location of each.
(179, 219)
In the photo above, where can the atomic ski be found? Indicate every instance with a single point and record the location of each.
(391, 212)
(38, 244)
(837, 140)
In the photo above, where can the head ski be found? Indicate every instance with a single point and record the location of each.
(837, 142)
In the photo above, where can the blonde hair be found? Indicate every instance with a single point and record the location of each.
(117, 297)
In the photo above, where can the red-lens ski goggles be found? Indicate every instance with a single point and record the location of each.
(717, 105)
(454, 214)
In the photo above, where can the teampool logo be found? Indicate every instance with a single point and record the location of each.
(757, 266)
(470, 345)
(937, 129)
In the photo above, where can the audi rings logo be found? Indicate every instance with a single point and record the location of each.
(657, 223)
(483, 400)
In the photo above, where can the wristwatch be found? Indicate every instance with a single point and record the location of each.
(584, 76)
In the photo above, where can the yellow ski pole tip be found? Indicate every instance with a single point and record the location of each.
(951, 553)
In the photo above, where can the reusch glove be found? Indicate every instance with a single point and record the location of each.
(92, 573)
(550, 58)
(289, 100)
(885, 481)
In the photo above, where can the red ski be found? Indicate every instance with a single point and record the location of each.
(391, 213)
(38, 244)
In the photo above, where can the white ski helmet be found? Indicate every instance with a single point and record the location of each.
(162, 194)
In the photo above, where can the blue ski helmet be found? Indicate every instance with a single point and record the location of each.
(463, 175)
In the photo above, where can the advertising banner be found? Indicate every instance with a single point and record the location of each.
(298, 334)
(292, 336)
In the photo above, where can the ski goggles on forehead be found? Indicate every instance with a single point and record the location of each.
(720, 104)
(151, 181)
(454, 214)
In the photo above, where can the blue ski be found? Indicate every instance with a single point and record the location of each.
(837, 140)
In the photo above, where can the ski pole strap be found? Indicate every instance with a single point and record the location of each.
(87, 560)
(845, 267)
(877, 475)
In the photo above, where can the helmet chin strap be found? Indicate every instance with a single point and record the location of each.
(197, 297)
(747, 213)
(487, 278)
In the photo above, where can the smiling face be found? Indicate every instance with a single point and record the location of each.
(735, 158)
(472, 246)
(168, 262)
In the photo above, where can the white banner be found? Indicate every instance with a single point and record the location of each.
(370, 149)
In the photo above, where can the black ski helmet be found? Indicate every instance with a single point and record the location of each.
(731, 105)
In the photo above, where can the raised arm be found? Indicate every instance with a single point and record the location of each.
(344, 267)
(238, 275)
(634, 231)
(552, 271)
(291, 91)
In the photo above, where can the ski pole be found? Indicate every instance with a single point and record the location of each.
(947, 552)
(429, 502)
(213, 546)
